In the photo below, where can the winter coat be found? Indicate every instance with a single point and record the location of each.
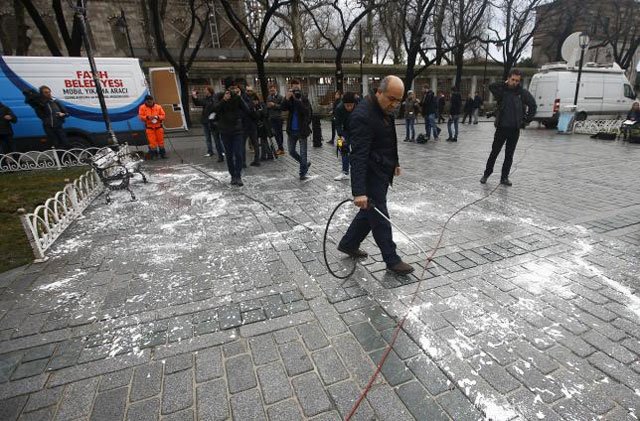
(515, 107)
(456, 104)
(410, 109)
(47, 109)
(477, 102)
(429, 104)
(441, 104)
(263, 122)
(207, 104)
(374, 145)
(229, 114)
(5, 125)
(633, 115)
(151, 114)
(305, 112)
(468, 105)
(342, 117)
(276, 111)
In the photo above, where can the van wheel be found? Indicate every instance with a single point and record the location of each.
(550, 124)
(581, 116)
(79, 142)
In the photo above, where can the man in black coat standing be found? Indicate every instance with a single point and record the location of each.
(516, 108)
(454, 114)
(298, 125)
(52, 113)
(7, 118)
(374, 163)
(207, 119)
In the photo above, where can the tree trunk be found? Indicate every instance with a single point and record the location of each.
(262, 76)
(297, 37)
(22, 43)
(339, 73)
(411, 69)
(183, 77)
(459, 57)
(54, 49)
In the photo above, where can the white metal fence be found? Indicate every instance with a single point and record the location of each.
(597, 126)
(45, 224)
(52, 158)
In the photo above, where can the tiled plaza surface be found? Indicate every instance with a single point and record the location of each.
(197, 302)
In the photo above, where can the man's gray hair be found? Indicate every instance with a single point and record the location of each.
(384, 84)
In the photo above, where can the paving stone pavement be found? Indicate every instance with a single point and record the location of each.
(196, 302)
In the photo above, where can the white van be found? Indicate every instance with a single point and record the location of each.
(605, 92)
(124, 86)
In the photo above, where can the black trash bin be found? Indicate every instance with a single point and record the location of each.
(317, 131)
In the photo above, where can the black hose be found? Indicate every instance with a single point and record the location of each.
(324, 244)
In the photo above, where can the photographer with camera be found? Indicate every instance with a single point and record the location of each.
(298, 124)
(52, 113)
(229, 108)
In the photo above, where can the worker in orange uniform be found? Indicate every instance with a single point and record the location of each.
(153, 115)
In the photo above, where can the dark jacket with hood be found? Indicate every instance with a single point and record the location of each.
(515, 107)
(634, 115)
(5, 125)
(303, 107)
(374, 153)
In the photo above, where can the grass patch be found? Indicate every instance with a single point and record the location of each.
(25, 189)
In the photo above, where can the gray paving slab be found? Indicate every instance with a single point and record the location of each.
(195, 302)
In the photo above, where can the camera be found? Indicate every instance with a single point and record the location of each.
(297, 93)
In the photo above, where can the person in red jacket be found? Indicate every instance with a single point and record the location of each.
(153, 115)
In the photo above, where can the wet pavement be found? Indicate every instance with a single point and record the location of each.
(199, 302)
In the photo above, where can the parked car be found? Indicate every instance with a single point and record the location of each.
(605, 92)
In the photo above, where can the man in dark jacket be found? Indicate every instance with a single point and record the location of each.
(7, 118)
(454, 114)
(515, 108)
(468, 109)
(477, 104)
(274, 105)
(374, 163)
(208, 121)
(229, 108)
(52, 113)
(342, 114)
(442, 103)
(298, 125)
(429, 111)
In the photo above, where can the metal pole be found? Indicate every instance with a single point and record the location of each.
(80, 14)
(484, 76)
(361, 75)
(126, 28)
(575, 99)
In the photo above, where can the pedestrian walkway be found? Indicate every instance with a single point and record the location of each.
(198, 302)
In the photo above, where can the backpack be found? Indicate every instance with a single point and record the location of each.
(421, 138)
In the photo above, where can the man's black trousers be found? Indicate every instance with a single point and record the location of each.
(510, 136)
(368, 220)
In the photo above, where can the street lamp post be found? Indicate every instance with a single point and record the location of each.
(80, 12)
(584, 44)
(123, 27)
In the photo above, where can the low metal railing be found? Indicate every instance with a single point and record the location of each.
(52, 158)
(48, 221)
(597, 126)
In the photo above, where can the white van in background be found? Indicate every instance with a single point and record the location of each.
(605, 92)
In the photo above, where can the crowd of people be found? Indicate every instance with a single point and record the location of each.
(436, 109)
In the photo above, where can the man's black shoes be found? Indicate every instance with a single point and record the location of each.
(483, 180)
(505, 181)
(401, 268)
(356, 253)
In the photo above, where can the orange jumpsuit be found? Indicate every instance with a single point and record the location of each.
(155, 132)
